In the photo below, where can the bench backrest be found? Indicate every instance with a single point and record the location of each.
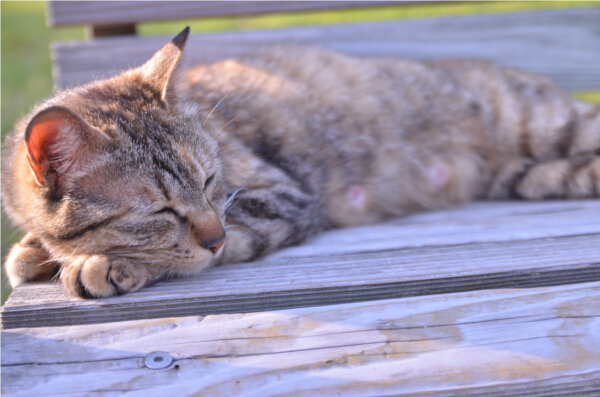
(562, 44)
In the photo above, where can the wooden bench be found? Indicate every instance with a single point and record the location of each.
(495, 298)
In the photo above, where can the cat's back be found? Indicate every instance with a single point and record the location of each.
(337, 121)
(330, 120)
(320, 96)
(314, 90)
(309, 78)
(316, 93)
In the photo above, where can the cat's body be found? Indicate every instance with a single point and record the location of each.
(274, 147)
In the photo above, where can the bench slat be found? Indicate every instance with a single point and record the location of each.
(563, 45)
(488, 247)
(501, 342)
(61, 13)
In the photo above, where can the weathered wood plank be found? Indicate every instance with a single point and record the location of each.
(534, 342)
(60, 13)
(476, 223)
(563, 45)
(496, 245)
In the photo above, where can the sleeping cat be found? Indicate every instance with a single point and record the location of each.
(161, 171)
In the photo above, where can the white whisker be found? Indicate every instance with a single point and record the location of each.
(213, 109)
(63, 261)
(230, 199)
(49, 261)
(170, 272)
(226, 124)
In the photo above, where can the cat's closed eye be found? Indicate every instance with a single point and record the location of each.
(208, 181)
(169, 210)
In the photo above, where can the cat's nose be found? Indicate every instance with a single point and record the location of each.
(211, 235)
(214, 244)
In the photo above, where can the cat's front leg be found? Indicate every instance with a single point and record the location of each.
(240, 245)
(101, 276)
(264, 219)
(28, 260)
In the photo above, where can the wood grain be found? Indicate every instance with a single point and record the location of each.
(562, 44)
(474, 223)
(60, 13)
(479, 246)
(534, 342)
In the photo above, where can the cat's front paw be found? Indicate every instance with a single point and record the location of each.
(239, 246)
(101, 276)
(29, 261)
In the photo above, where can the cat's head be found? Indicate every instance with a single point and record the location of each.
(120, 166)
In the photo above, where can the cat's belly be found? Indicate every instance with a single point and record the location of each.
(435, 181)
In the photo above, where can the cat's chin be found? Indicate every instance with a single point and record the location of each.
(197, 265)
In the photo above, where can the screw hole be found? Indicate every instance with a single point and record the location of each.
(158, 360)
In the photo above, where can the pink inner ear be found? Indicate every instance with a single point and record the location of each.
(41, 136)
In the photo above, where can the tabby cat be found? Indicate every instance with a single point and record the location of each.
(163, 171)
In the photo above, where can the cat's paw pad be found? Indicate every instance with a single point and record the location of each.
(101, 276)
(126, 276)
(29, 261)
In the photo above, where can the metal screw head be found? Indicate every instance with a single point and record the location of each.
(158, 360)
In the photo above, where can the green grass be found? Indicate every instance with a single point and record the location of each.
(392, 12)
(26, 74)
(26, 67)
(588, 96)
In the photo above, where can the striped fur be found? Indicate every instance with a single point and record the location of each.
(139, 177)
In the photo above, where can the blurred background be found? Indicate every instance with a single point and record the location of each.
(26, 69)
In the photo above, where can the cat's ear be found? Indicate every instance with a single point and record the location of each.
(58, 143)
(160, 70)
